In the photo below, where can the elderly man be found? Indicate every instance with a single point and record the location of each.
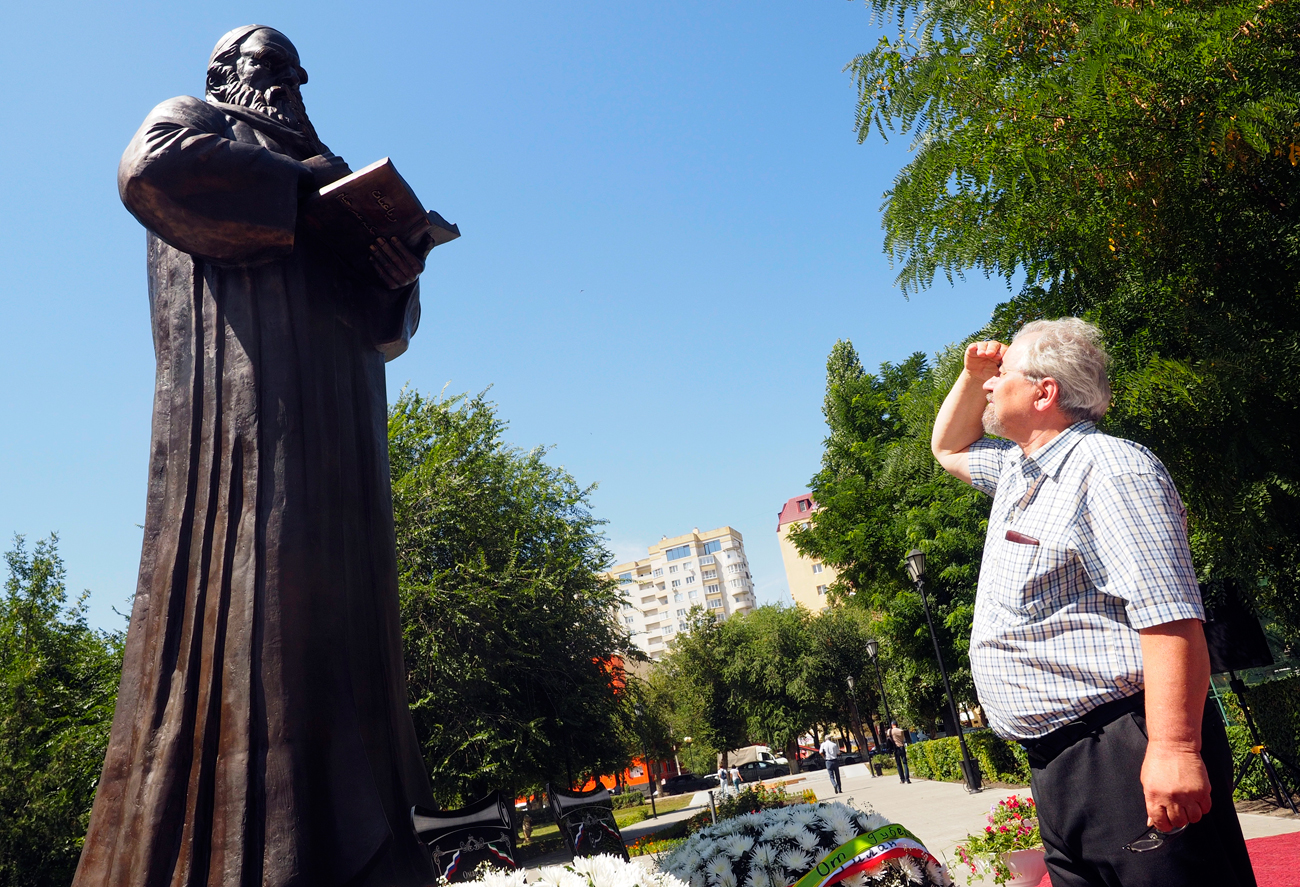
(1087, 644)
(262, 734)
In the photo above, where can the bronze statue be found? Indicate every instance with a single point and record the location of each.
(262, 735)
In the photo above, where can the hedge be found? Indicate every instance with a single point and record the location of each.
(1275, 706)
(1000, 760)
(628, 799)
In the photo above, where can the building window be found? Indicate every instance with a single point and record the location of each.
(803, 504)
(624, 577)
(736, 583)
(681, 611)
(711, 546)
(672, 569)
(668, 629)
(713, 588)
(627, 619)
(675, 554)
(733, 568)
(690, 579)
(678, 596)
(709, 574)
(627, 605)
(821, 589)
(658, 572)
(677, 583)
(817, 568)
(681, 626)
(695, 595)
(715, 604)
(707, 559)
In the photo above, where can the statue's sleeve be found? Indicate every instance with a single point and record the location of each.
(184, 178)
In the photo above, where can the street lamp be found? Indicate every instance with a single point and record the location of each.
(857, 713)
(873, 647)
(916, 569)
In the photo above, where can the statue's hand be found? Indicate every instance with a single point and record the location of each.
(396, 264)
(323, 169)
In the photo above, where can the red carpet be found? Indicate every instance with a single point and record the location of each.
(1276, 861)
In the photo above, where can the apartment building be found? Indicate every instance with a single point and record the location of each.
(808, 578)
(706, 570)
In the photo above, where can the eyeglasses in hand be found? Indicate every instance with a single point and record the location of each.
(1150, 839)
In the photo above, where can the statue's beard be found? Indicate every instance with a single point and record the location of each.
(282, 103)
(992, 424)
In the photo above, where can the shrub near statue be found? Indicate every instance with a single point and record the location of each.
(262, 734)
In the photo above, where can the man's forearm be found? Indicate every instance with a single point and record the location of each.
(1176, 668)
(959, 424)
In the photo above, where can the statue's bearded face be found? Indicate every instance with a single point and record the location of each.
(266, 77)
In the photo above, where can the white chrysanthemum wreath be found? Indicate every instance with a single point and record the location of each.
(806, 845)
(596, 871)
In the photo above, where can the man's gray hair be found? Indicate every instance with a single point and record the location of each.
(1070, 351)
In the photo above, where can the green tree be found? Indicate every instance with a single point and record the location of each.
(879, 494)
(708, 699)
(58, 684)
(514, 658)
(1138, 163)
(770, 668)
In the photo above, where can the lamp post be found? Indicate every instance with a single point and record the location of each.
(645, 759)
(916, 569)
(873, 647)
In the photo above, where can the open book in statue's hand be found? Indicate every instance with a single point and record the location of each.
(350, 215)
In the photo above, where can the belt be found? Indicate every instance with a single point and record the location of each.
(1044, 749)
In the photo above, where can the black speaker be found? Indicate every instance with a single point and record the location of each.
(1233, 633)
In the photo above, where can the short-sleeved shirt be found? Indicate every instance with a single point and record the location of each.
(1086, 545)
(830, 751)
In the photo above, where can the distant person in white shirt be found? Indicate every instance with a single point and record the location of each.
(831, 752)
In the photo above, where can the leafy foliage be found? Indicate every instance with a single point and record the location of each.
(879, 494)
(1137, 162)
(513, 656)
(58, 684)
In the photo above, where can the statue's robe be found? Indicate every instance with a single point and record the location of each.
(262, 734)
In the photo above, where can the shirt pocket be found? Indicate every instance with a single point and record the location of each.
(1032, 579)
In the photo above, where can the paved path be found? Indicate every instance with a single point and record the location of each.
(941, 814)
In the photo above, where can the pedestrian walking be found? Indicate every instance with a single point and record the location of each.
(898, 736)
(830, 750)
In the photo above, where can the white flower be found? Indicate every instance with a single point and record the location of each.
(841, 820)
(494, 877)
(908, 866)
(796, 862)
(727, 879)
(737, 846)
(758, 877)
(869, 822)
(808, 841)
(939, 874)
(805, 815)
(764, 857)
(717, 867)
(559, 876)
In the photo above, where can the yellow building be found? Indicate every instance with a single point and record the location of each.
(808, 579)
(706, 570)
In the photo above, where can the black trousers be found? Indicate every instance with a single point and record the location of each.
(1090, 805)
(900, 758)
(833, 771)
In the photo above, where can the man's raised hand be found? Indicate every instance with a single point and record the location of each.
(983, 359)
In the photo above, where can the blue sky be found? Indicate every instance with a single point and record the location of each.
(667, 222)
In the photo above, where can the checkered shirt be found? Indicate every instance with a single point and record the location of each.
(1056, 624)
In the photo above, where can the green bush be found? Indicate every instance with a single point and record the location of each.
(1275, 705)
(628, 799)
(1000, 760)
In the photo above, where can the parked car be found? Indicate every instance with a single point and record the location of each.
(811, 759)
(756, 771)
(688, 782)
